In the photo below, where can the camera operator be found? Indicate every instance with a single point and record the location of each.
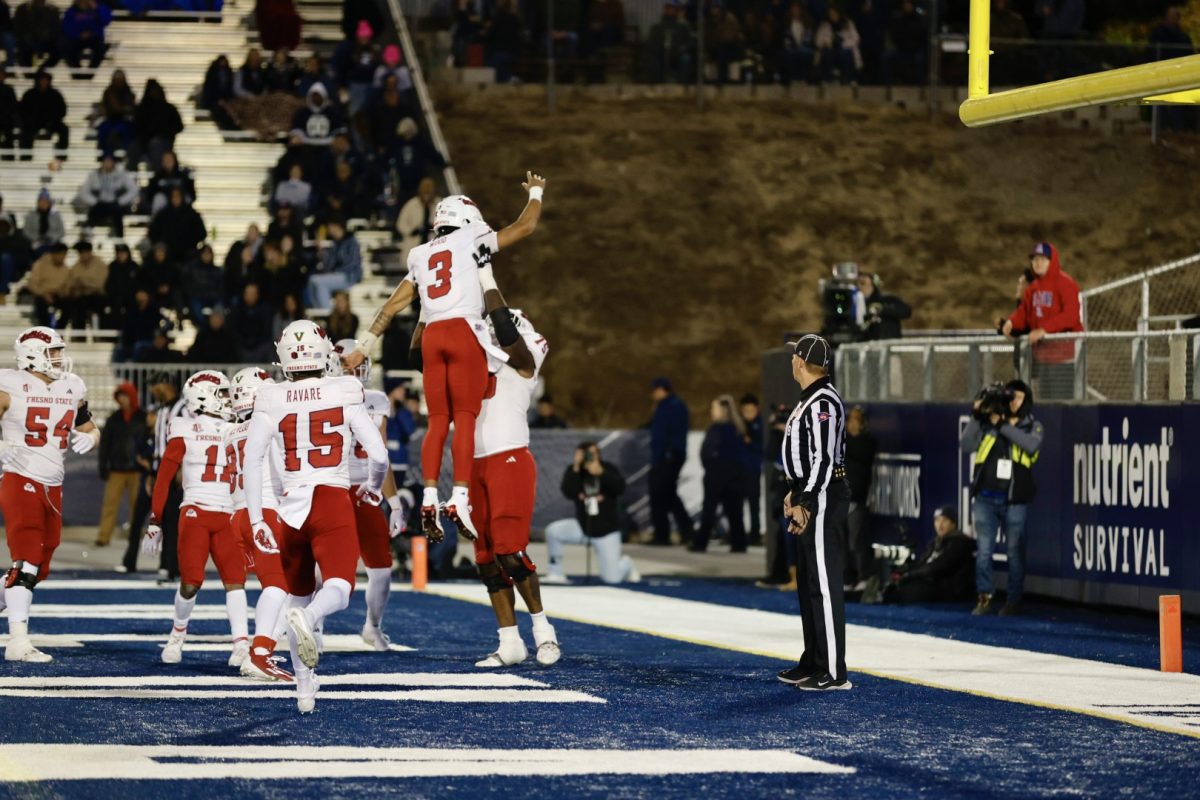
(1005, 438)
(941, 574)
(842, 304)
(595, 485)
(883, 312)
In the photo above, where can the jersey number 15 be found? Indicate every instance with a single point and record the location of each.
(324, 446)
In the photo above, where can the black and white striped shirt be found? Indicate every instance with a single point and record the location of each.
(163, 416)
(814, 445)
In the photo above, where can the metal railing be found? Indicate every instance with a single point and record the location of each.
(1113, 306)
(1113, 366)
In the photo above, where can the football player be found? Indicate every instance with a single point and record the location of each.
(312, 420)
(43, 410)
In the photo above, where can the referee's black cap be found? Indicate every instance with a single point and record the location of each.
(813, 349)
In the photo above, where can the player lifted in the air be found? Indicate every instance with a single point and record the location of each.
(196, 447)
(312, 420)
(43, 409)
(374, 532)
(445, 272)
(261, 664)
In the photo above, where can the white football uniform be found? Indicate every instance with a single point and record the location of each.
(378, 408)
(313, 423)
(205, 482)
(503, 423)
(39, 419)
(235, 456)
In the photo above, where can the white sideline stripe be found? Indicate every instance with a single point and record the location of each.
(1004, 673)
(334, 643)
(164, 611)
(410, 695)
(49, 762)
(493, 680)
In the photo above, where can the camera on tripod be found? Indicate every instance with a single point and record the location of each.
(995, 398)
(842, 304)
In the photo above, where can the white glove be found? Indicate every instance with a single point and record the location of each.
(82, 442)
(401, 503)
(8, 451)
(152, 541)
(264, 539)
(371, 497)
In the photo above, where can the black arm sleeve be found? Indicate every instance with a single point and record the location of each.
(612, 482)
(572, 484)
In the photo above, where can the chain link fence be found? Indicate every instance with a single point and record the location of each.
(1160, 298)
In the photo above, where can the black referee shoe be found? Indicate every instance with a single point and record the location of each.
(824, 683)
(795, 675)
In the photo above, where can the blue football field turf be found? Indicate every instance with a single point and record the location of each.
(614, 690)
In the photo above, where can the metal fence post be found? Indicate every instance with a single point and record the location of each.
(1139, 369)
(1081, 369)
(1144, 321)
(927, 377)
(1026, 352)
(839, 371)
(885, 373)
(974, 379)
(1196, 367)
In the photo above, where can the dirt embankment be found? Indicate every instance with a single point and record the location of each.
(684, 243)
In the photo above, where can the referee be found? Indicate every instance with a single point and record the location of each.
(816, 508)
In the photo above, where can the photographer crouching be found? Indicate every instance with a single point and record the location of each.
(1005, 438)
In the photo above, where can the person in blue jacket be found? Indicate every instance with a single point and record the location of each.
(722, 456)
(668, 451)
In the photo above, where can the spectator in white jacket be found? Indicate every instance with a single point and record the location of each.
(837, 43)
(107, 195)
(43, 224)
(415, 223)
(295, 191)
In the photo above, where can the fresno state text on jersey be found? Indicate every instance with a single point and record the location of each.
(203, 462)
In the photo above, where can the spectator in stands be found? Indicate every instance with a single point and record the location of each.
(251, 321)
(123, 281)
(595, 487)
(605, 25)
(215, 343)
(37, 27)
(400, 428)
(251, 78)
(503, 37)
(884, 312)
(546, 418)
(117, 106)
(8, 41)
(861, 447)
(7, 215)
(415, 223)
(319, 119)
(218, 91)
(169, 175)
(393, 67)
(798, 57)
(344, 197)
(203, 283)
(295, 191)
(160, 275)
(107, 195)
(752, 465)
(726, 47)
(943, 573)
(85, 289)
(342, 323)
(141, 322)
(1050, 305)
(291, 308)
(905, 63)
(296, 152)
(121, 438)
(668, 451)
(179, 226)
(356, 11)
(763, 43)
(1005, 439)
(670, 47)
(355, 63)
(341, 266)
(386, 117)
(49, 283)
(83, 32)
(281, 275)
(44, 109)
(283, 73)
(286, 223)
(156, 123)
(837, 43)
(315, 71)
(465, 30)
(1062, 21)
(278, 24)
(721, 455)
(1170, 40)
(9, 115)
(43, 224)
(414, 157)
(159, 351)
(16, 255)
(243, 262)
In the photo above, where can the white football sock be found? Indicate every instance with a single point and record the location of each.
(459, 496)
(333, 596)
(543, 631)
(183, 610)
(379, 587)
(430, 497)
(19, 599)
(509, 636)
(267, 612)
(235, 607)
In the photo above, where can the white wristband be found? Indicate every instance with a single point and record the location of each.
(487, 279)
(365, 342)
(535, 193)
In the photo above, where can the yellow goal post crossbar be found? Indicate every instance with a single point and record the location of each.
(1174, 81)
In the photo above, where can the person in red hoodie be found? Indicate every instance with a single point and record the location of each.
(1050, 305)
(120, 440)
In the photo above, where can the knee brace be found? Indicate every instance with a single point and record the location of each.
(517, 565)
(17, 576)
(493, 577)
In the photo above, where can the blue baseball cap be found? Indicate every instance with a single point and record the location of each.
(1042, 249)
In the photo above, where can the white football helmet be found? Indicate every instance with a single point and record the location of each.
(42, 350)
(245, 387)
(303, 346)
(344, 348)
(207, 392)
(456, 211)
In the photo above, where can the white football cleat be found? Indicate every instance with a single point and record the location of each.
(306, 691)
(505, 657)
(21, 649)
(460, 515)
(306, 643)
(241, 651)
(375, 637)
(265, 668)
(634, 575)
(173, 652)
(548, 653)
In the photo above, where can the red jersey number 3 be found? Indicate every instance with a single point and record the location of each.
(439, 265)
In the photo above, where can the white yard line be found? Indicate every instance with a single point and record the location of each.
(1004, 673)
(334, 642)
(251, 693)
(492, 680)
